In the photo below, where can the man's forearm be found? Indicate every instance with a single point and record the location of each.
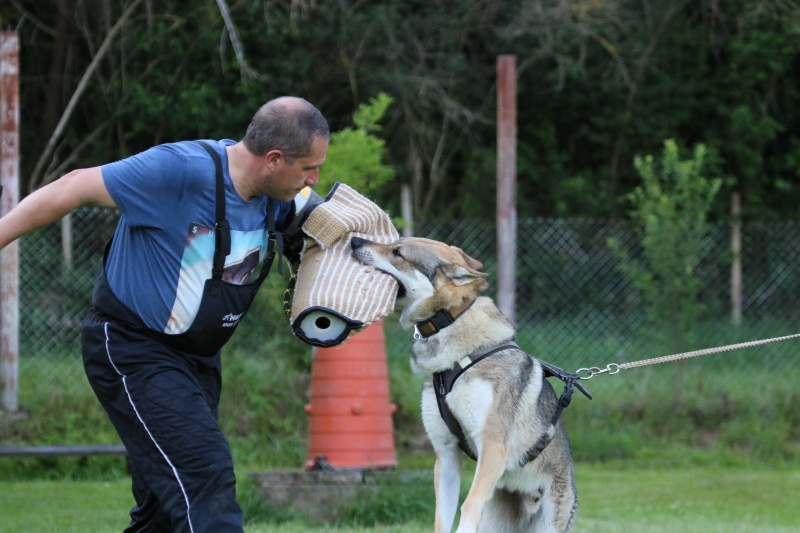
(53, 201)
(32, 213)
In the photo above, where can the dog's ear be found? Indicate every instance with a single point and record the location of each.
(464, 270)
(461, 275)
(472, 264)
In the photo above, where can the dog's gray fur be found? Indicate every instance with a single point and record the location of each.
(503, 403)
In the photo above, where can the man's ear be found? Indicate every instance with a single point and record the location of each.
(271, 158)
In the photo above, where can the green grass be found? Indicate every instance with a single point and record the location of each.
(615, 498)
(64, 506)
(711, 444)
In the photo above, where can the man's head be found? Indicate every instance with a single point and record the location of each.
(288, 138)
(289, 124)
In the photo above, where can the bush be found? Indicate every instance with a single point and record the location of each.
(671, 205)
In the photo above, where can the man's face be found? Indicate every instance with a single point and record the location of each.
(288, 179)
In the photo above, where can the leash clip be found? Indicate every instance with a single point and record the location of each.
(589, 373)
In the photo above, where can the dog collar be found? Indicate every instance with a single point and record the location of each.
(439, 321)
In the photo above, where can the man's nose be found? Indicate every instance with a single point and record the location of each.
(313, 178)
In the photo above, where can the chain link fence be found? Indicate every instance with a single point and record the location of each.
(574, 306)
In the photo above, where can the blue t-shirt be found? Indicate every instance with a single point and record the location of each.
(163, 247)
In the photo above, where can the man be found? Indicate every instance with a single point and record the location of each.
(198, 219)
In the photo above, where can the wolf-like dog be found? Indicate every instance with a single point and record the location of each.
(499, 398)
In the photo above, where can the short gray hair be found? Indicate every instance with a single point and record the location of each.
(289, 124)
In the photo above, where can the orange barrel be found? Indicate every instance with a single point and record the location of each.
(350, 424)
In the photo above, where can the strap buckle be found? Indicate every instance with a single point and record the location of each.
(417, 335)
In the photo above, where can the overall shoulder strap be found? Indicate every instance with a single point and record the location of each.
(222, 229)
(275, 242)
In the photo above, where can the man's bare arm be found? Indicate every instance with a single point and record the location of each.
(50, 203)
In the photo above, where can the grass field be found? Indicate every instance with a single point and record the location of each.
(612, 500)
(696, 447)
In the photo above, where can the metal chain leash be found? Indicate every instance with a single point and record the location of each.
(613, 368)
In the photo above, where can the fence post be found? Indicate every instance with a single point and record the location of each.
(736, 259)
(407, 210)
(9, 257)
(506, 184)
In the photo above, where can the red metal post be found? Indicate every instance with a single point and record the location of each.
(506, 184)
(9, 257)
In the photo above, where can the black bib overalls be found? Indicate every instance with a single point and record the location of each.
(161, 393)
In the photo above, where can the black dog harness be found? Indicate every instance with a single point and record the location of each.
(443, 383)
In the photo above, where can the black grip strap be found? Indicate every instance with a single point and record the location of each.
(275, 239)
(287, 295)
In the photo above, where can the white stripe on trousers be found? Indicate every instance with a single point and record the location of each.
(164, 455)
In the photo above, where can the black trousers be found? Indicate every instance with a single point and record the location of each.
(163, 405)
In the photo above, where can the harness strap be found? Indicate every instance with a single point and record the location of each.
(539, 446)
(443, 383)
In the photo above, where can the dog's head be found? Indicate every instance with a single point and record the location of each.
(432, 275)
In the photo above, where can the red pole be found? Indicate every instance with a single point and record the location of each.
(506, 184)
(9, 179)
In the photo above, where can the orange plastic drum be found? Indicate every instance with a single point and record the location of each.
(350, 423)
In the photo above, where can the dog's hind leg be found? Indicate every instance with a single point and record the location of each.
(491, 465)
(505, 512)
(565, 503)
(447, 485)
(558, 507)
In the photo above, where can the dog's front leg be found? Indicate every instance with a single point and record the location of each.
(491, 465)
(447, 485)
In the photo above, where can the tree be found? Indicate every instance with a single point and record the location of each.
(671, 205)
(355, 155)
(597, 81)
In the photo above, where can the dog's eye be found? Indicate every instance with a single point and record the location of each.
(396, 252)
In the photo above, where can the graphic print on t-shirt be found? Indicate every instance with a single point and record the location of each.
(247, 251)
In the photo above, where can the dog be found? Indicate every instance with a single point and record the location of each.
(500, 405)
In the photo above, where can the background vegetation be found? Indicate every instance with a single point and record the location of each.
(412, 84)
(599, 82)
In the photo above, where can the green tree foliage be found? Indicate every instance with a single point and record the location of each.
(672, 204)
(355, 154)
(597, 83)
